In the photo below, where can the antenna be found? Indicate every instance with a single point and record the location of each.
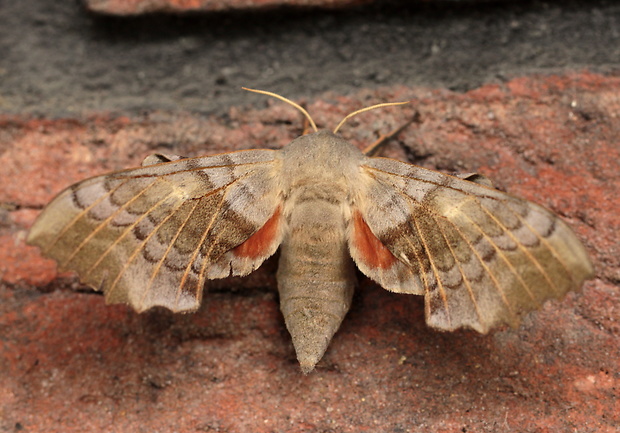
(305, 113)
(282, 98)
(372, 107)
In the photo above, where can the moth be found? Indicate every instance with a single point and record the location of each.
(152, 236)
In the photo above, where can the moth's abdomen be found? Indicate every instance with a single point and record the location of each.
(316, 276)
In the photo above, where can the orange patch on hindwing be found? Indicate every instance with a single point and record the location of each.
(371, 249)
(258, 245)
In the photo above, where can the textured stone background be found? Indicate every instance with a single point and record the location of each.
(527, 93)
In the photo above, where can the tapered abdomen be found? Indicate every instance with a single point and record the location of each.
(316, 276)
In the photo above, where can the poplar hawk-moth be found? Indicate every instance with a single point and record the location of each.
(151, 236)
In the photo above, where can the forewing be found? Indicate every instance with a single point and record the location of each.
(483, 257)
(151, 236)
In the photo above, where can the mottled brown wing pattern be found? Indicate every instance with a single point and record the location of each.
(481, 256)
(151, 236)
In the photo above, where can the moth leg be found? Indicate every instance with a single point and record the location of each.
(375, 147)
(307, 128)
(478, 178)
(158, 158)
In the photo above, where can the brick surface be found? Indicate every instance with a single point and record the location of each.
(137, 7)
(70, 363)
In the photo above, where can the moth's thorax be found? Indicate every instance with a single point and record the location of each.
(321, 157)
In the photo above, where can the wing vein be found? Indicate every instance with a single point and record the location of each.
(104, 223)
(132, 171)
(432, 211)
(124, 234)
(203, 267)
(524, 250)
(159, 264)
(549, 247)
(456, 261)
(77, 217)
(442, 290)
(140, 247)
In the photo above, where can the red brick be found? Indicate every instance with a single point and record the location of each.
(71, 363)
(136, 7)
